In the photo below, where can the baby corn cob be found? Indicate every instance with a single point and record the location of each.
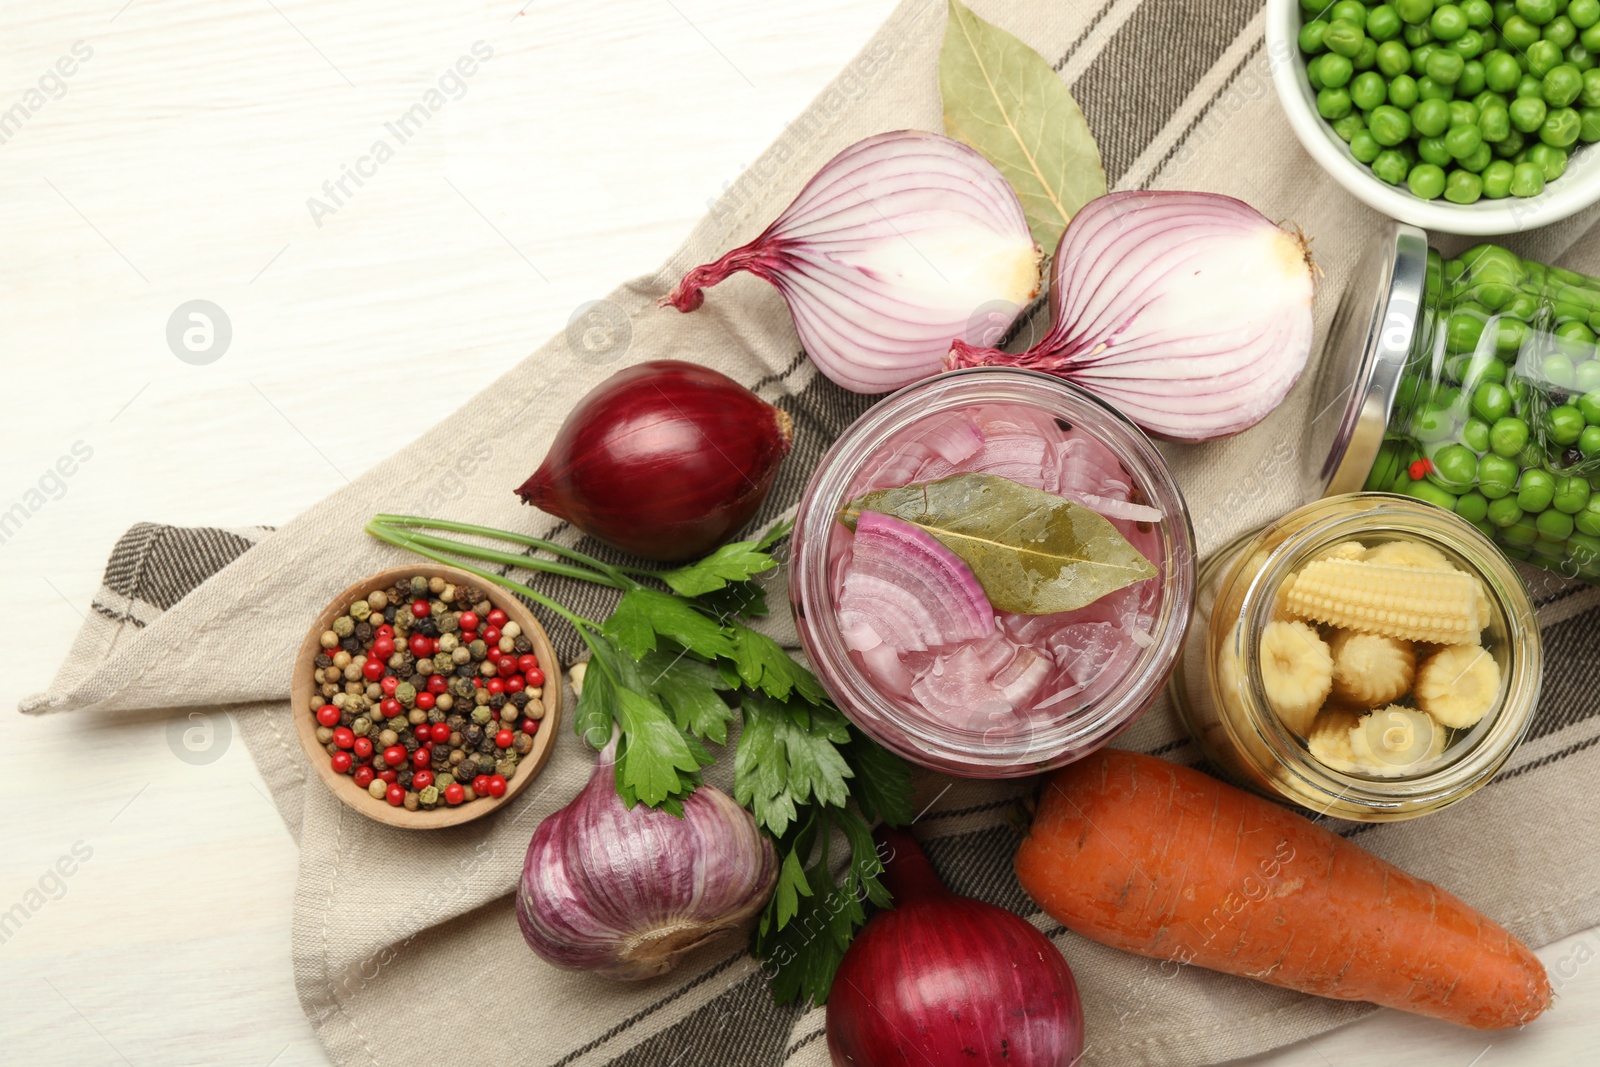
(1411, 603)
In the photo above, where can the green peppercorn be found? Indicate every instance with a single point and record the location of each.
(481, 713)
(361, 727)
(478, 649)
(419, 587)
(398, 724)
(344, 626)
(403, 620)
(405, 693)
(429, 796)
(444, 781)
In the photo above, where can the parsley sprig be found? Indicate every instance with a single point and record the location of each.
(671, 667)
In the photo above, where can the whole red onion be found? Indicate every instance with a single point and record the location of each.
(949, 981)
(665, 459)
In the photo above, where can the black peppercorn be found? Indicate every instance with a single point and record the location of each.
(364, 631)
(427, 627)
(472, 734)
(486, 746)
(435, 715)
(388, 614)
(351, 644)
(404, 776)
(323, 661)
(497, 700)
(410, 742)
(457, 723)
(466, 670)
(520, 698)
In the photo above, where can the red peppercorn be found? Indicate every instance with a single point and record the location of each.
(423, 731)
(503, 739)
(364, 776)
(437, 683)
(530, 726)
(419, 646)
(454, 794)
(328, 715)
(439, 733)
(372, 670)
(514, 684)
(341, 762)
(468, 636)
(389, 684)
(395, 796)
(362, 748)
(497, 617)
(505, 666)
(344, 737)
(495, 685)
(468, 620)
(480, 784)
(383, 648)
(491, 636)
(384, 631)
(421, 609)
(433, 645)
(422, 757)
(528, 662)
(535, 677)
(388, 707)
(421, 780)
(425, 700)
(497, 785)
(394, 755)
(387, 775)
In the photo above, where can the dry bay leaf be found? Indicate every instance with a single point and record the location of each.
(1033, 552)
(1002, 99)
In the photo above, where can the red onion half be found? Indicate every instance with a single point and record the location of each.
(899, 245)
(627, 892)
(949, 981)
(665, 459)
(1191, 312)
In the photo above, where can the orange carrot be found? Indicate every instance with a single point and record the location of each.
(1157, 859)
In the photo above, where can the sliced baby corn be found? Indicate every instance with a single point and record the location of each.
(1394, 741)
(1329, 739)
(1297, 672)
(1342, 550)
(1458, 685)
(1411, 603)
(1370, 669)
(1408, 554)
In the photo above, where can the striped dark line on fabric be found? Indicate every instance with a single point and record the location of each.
(1194, 124)
(645, 1013)
(1088, 31)
(160, 565)
(1128, 113)
(1545, 761)
(1569, 696)
(978, 864)
(118, 616)
(803, 1042)
(742, 1024)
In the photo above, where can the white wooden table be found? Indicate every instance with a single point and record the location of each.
(170, 157)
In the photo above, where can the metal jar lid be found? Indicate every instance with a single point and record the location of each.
(1367, 347)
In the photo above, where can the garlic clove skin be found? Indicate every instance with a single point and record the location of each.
(627, 893)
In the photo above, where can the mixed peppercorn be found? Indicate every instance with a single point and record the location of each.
(426, 694)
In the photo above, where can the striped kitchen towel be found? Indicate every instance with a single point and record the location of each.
(1199, 116)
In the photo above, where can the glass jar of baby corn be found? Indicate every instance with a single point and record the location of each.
(1368, 656)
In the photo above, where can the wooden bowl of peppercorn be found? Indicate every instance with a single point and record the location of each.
(446, 664)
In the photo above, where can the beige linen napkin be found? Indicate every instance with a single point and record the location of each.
(374, 942)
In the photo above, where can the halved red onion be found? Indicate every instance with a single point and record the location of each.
(1191, 312)
(902, 588)
(899, 245)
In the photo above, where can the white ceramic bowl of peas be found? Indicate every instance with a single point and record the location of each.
(1484, 38)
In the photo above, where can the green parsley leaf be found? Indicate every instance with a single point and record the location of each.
(738, 599)
(643, 614)
(688, 687)
(738, 562)
(788, 756)
(792, 885)
(656, 760)
(882, 783)
(764, 665)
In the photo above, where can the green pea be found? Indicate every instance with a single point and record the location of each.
(1469, 46)
(1393, 59)
(1365, 147)
(1475, 435)
(1494, 122)
(1430, 118)
(1588, 520)
(1472, 506)
(1542, 56)
(1585, 552)
(1384, 469)
(1584, 13)
(1503, 512)
(1590, 96)
(1455, 467)
(1433, 494)
(1480, 13)
(1389, 125)
(1367, 58)
(1311, 37)
(1554, 525)
(1416, 36)
(1333, 103)
(1572, 494)
(1512, 144)
(1432, 150)
(1335, 70)
(1535, 491)
(1401, 92)
(1383, 23)
(1462, 140)
(1537, 12)
(1558, 370)
(1414, 12)
(1520, 534)
(1492, 403)
(1349, 126)
(1343, 37)
(1561, 86)
(1428, 89)
(1550, 160)
(1589, 442)
(1477, 159)
(1463, 113)
(1575, 331)
(1501, 71)
(1560, 129)
(1390, 166)
(1589, 407)
(1350, 11)
(1368, 90)
(1560, 32)
(1527, 180)
(1519, 33)
(1314, 73)
(1448, 22)
(1587, 379)
(1579, 57)
(1426, 180)
(1589, 124)
(1497, 178)
(1527, 112)
(1590, 38)
(1497, 475)
(1564, 424)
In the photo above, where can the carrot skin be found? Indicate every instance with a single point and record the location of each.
(1163, 861)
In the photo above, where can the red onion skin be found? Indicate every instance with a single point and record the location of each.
(948, 981)
(666, 460)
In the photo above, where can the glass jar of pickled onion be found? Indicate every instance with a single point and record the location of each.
(1471, 382)
(1368, 656)
(1012, 694)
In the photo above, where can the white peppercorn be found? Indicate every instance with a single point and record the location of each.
(377, 600)
(378, 788)
(329, 639)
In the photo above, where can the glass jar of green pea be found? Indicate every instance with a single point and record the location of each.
(1471, 382)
